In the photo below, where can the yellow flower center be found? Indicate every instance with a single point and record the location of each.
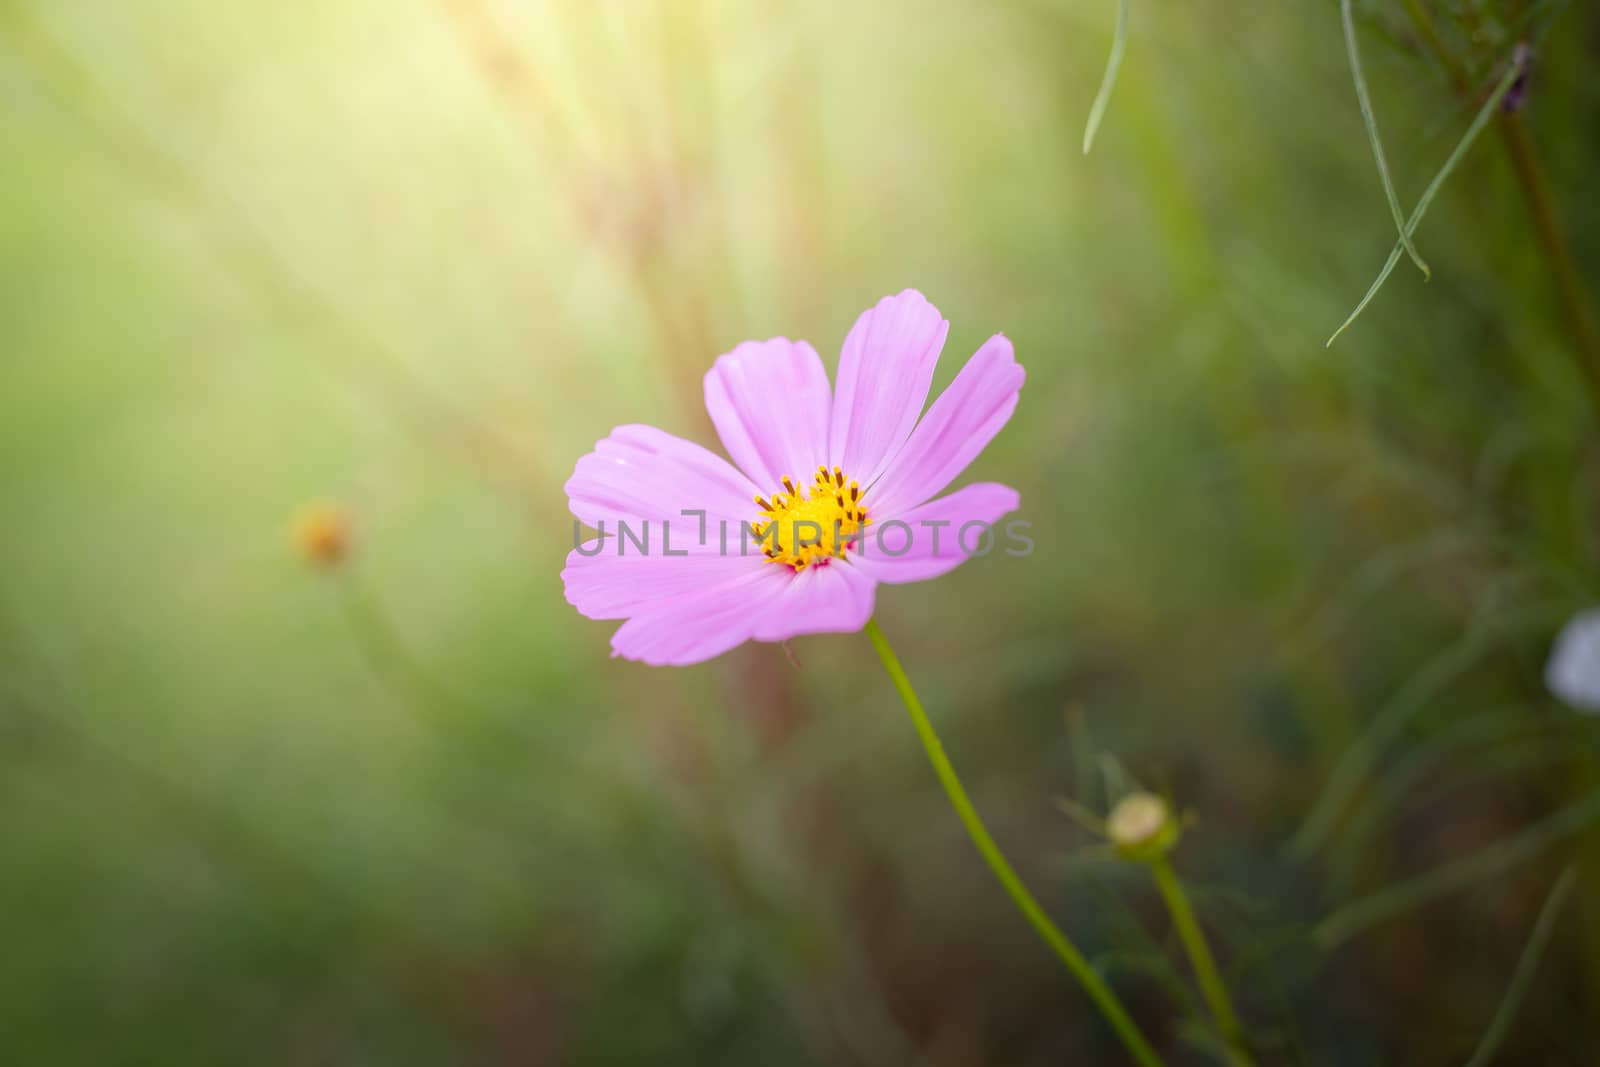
(800, 531)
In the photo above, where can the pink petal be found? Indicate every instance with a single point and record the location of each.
(934, 550)
(640, 472)
(770, 401)
(606, 585)
(958, 426)
(885, 368)
(770, 603)
(700, 626)
(832, 599)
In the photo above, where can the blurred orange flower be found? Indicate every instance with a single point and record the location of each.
(322, 534)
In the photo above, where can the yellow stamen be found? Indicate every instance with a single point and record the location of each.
(801, 531)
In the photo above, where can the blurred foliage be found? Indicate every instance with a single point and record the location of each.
(414, 257)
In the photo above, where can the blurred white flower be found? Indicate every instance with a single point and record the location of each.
(1573, 673)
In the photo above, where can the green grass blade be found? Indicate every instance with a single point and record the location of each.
(1460, 874)
(1097, 111)
(1527, 966)
(1493, 623)
(1386, 727)
(1478, 122)
(1371, 122)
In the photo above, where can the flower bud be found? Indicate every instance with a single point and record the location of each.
(1142, 827)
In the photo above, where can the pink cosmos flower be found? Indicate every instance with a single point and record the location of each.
(796, 536)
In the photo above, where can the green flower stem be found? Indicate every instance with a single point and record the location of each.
(1574, 298)
(1205, 965)
(1092, 983)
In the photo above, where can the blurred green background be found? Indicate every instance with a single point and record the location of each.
(408, 260)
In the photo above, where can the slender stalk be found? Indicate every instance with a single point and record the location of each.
(1205, 965)
(1371, 120)
(1522, 977)
(1558, 255)
(1097, 111)
(1106, 1000)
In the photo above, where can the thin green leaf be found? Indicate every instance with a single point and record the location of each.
(1481, 866)
(1493, 623)
(1386, 727)
(1097, 110)
(1527, 966)
(1085, 778)
(1478, 123)
(1390, 788)
(1371, 121)
(1082, 815)
(1118, 782)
